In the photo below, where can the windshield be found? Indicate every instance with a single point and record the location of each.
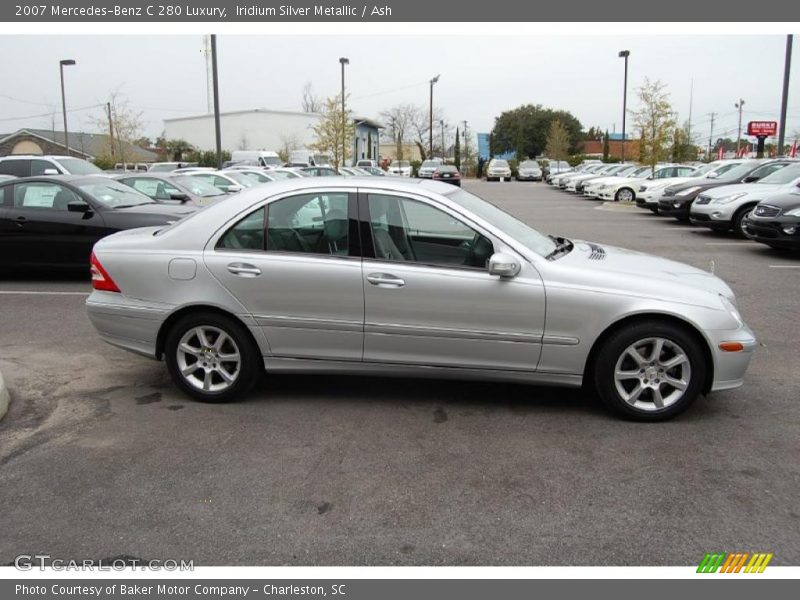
(429, 163)
(280, 175)
(640, 171)
(736, 173)
(163, 167)
(529, 164)
(115, 195)
(198, 187)
(500, 163)
(625, 170)
(243, 179)
(785, 174)
(272, 161)
(76, 166)
(401, 164)
(525, 235)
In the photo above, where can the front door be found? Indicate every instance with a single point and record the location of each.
(429, 299)
(295, 266)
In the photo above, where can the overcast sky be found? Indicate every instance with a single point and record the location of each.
(165, 76)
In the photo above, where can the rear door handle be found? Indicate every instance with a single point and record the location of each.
(244, 269)
(385, 279)
(21, 221)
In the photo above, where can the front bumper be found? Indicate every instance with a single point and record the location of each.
(730, 367)
(674, 207)
(771, 231)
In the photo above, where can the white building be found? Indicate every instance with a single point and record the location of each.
(258, 129)
(263, 129)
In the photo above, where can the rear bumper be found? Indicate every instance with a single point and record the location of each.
(126, 323)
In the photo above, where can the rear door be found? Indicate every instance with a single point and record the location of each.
(295, 264)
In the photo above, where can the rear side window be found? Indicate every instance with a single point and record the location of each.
(39, 166)
(247, 234)
(16, 167)
(44, 196)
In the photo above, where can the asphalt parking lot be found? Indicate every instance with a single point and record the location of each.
(100, 456)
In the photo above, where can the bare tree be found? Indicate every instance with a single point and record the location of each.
(311, 102)
(289, 143)
(400, 120)
(126, 124)
(243, 142)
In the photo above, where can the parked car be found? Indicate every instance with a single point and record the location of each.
(447, 174)
(137, 167)
(728, 206)
(262, 158)
(260, 175)
(374, 171)
(168, 167)
(590, 187)
(498, 169)
(651, 192)
(25, 165)
(401, 168)
(427, 168)
(776, 221)
(677, 199)
(432, 281)
(53, 222)
(221, 181)
(320, 171)
(529, 170)
(164, 187)
(282, 173)
(350, 172)
(571, 183)
(556, 167)
(624, 189)
(245, 179)
(561, 180)
(364, 162)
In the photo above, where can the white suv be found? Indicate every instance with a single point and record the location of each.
(27, 165)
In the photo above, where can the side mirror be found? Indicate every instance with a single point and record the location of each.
(234, 188)
(503, 265)
(79, 206)
(749, 179)
(712, 175)
(178, 196)
(51, 172)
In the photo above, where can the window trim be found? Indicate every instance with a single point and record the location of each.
(367, 235)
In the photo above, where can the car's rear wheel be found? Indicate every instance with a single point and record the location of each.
(625, 195)
(211, 357)
(650, 371)
(739, 220)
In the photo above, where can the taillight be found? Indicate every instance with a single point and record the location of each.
(101, 280)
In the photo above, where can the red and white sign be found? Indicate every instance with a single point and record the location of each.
(762, 128)
(793, 150)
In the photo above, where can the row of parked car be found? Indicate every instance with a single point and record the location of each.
(757, 199)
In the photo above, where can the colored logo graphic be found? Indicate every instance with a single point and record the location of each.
(734, 562)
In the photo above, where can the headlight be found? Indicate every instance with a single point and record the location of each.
(687, 191)
(795, 212)
(728, 199)
(731, 308)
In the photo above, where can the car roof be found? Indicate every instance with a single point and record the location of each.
(73, 179)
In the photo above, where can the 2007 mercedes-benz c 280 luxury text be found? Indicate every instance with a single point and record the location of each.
(412, 278)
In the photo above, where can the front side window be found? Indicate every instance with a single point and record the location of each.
(43, 196)
(39, 166)
(247, 234)
(310, 223)
(154, 188)
(406, 230)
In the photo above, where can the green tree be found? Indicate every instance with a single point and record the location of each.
(457, 150)
(682, 147)
(177, 149)
(655, 121)
(331, 129)
(558, 141)
(525, 130)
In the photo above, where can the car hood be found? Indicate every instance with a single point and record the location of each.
(738, 188)
(170, 210)
(668, 181)
(639, 273)
(605, 179)
(626, 180)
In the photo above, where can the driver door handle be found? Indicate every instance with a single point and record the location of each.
(385, 279)
(244, 269)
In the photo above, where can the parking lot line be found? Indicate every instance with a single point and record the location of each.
(784, 266)
(740, 243)
(39, 293)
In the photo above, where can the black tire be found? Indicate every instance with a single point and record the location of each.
(653, 210)
(250, 365)
(614, 350)
(738, 217)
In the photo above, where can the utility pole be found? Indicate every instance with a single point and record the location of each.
(215, 83)
(466, 145)
(711, 134)
(689, 126)
(110, 128)
(343, 61)
(787, 65)
(624, 54)
(441, 124)
(740, 106)
(430, 123)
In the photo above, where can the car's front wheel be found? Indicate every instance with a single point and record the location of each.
(739, 220)
(625, 195)
(211, 357)
(650, 371)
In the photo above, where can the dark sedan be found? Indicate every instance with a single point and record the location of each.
(677, 199)
(53, 222)
(776, 222)
(165, 187)
(447, 174)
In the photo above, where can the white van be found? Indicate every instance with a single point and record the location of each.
(262, 158)
(308, 158)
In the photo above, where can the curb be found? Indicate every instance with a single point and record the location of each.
(5, 398)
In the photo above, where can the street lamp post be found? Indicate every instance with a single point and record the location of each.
(740, 106)
(787, 66)
(441, 124)
(343, 61)
(65, 63)
(430, 130)
(624, 54)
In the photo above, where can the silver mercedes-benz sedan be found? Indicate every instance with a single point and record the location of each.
(419, 278)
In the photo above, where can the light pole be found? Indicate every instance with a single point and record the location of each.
(343, 61)
(624, 54)
(740, 106)
(430, 131)
(61, 64)
(441, 124)
(787, 65)
(215, 85)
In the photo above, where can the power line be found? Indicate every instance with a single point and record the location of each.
(49, 114)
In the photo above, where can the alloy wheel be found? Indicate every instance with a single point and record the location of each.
(208, 359)
(652, 374)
